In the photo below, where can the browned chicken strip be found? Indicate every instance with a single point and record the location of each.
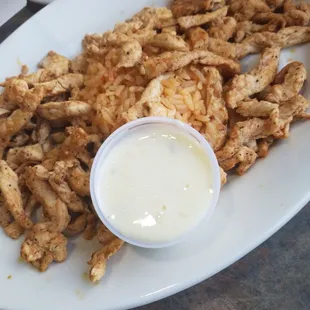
(287, 83)
(187, 22)
(63, 110)
(12, 195)
(245, 85)
(189, 7)
(217, 117)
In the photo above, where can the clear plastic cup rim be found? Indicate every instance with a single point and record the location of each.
(120, 132)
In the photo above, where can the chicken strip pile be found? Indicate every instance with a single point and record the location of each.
(181, 63)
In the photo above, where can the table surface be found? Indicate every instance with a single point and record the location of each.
(274, 276)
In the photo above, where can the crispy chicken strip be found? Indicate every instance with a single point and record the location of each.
(15, 90)
(78, 180)
(245, 85)
(52, 66)
(5, 215)
(41, 247)
(19, 140)
(19, 155)
(63, 110)
(244, 10)
(12, 125)
(196, 20)
(198, 38)
(255, 108)
(171, 61)
(42, 131)
(244, 132)
(169, 42)
(14, 230)
(256, 42)
(188, 7)
(226, 66)
(223, 176)
(12, 195)
(279, 21)
(245, 157)
(287, 84)
(61, 187)
(99, 259)
(264, 145)
(151, 99)
(223, 28)
(91, 227)
(216, 126)
(77, 225)
(72, 145)
(288, 110)
(62, 84)
(130, 54)
(36, 181)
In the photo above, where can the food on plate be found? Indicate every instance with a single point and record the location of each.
(180, 62)
(160, 200)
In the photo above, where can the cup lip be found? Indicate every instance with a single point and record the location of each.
(215, 172)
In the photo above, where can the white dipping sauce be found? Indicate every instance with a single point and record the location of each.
(155, 183)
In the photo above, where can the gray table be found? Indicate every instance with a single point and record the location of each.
(275, 276)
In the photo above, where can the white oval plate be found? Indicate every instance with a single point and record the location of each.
(251, 207)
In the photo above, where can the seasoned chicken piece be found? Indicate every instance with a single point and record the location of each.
(217, 117)
(130, 54)
(78, 180)
(60, 186)
(287, 83)
(245, 158)
(46, 196)
(264, 145)
(187, 22)
(41, 132)
(223, 28)
(244, 132)
(172, 61)
(25, 154)
(189, 7)
(169, 42)
(288, 110)
(14, 230)
(90, 230)
(255, 108)
(12, 195)
(297, 14)
(247, 28)
(51, 67)
(55, 65)
(72, 145)
(99, 259)
(77, 225)
(19, 140)
(245, 85)
(223, 176)
(62, 84)
(227, 67)
(15, 90)
(245, 10)
(151, 101)
(256, 42)
(32, 99)
(5, 215)
(7, 105)
(198, 38)
(63, 110)
(274, 4)
(78, 64)
(290, 36)
(279, 21)
(41, 247)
